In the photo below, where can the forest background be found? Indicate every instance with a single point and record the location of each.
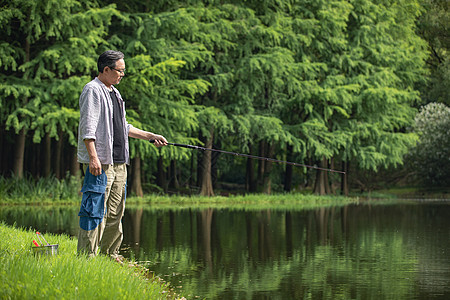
(360, 86)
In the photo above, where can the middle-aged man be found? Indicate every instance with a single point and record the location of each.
(103, 150)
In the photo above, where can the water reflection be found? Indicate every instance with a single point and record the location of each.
(386, 251)
(54, 219)
(389, 251)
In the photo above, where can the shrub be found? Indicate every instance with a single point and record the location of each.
(431, 156)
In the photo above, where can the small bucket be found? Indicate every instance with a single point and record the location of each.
(44, 250)
(47, 250)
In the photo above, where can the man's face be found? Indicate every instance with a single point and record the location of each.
(115, 74)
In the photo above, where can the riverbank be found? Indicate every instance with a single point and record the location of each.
(67, 275)
(251, 201)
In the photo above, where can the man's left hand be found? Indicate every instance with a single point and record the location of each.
(159, 140)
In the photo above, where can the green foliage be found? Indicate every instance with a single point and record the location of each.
(158, 98)
(39, 191)
(431, 155)
(47, 49)
(382, 67)
(336, 80)
(433, 26)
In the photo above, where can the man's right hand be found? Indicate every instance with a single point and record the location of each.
(95, 167)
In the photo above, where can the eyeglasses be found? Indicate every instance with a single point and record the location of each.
(120, 71)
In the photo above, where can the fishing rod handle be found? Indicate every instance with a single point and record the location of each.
(177, 145)
(153, 141)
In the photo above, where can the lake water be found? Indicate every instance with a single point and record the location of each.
(397, 250)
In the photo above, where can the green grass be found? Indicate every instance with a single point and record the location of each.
(37, 191)
(67, 275)
(252, 201)
(52, 191)
(407, 192)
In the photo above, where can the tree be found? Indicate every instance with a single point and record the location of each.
(365, 96)
(389, 60)
(433, 26)
(322, 82)
(45, 49)
(250, 81)
(159, 97)
(431, 154)
(335, 80)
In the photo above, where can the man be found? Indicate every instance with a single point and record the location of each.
(103, 150)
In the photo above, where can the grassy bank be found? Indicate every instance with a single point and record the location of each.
(67, 191)
(67, 275)
(252, 201)
(39, 191)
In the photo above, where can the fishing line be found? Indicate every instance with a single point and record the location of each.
(252, 156)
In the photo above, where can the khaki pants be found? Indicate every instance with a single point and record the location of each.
(109, 234)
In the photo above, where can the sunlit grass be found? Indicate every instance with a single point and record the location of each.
(67, 275)
(251, 201)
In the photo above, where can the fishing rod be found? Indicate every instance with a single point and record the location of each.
(252, 156)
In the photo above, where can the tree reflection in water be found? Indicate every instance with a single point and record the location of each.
(370, 251)
(356, 251)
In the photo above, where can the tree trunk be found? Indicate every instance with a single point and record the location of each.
(267, 181)
(344, 178)
(326, 179)
(136, 186)
(19, 154)
(58, 154)
(214, 158)
(250, 176)
(199, 163)
(288, 172)
(321, 185)
(33, 156)
(191, 177)
(207, 187)
(174, 175)
(6, 151)
(261, 165)
(161, 175)
(47, 154)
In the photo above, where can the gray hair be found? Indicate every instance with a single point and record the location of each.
(108, 59)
